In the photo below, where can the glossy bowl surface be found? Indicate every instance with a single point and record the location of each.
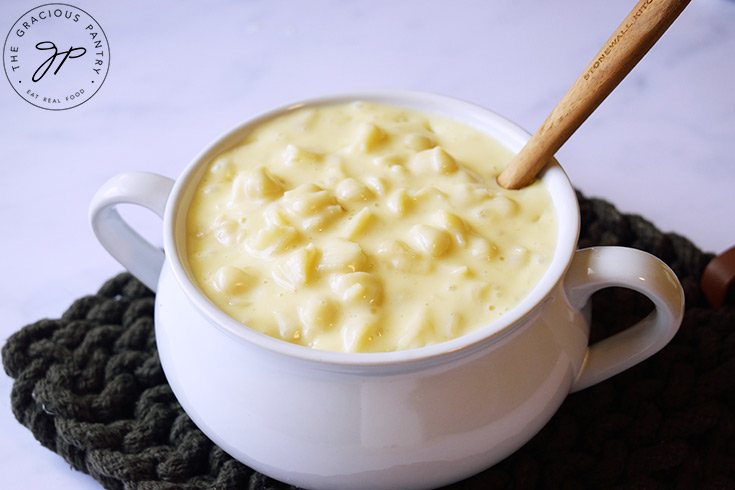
(418, 418)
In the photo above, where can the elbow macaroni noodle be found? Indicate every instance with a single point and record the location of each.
(366, 228)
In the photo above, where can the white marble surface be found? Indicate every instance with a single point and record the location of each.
(181, 73)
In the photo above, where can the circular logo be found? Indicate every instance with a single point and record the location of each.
(56, 56)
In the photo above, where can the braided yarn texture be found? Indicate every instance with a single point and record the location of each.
(90, 387)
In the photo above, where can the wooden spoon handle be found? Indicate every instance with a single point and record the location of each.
(640, 30)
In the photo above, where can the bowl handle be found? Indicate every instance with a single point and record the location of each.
(138, 255)
(600, 267)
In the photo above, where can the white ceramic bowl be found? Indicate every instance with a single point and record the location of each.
(419, 418)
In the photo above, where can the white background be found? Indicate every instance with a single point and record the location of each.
(182, 73)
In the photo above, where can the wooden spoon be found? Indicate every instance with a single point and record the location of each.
(640, 30)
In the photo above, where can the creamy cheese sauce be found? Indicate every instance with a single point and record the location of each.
(366, 228)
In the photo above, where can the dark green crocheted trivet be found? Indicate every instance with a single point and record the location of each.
(90, 387)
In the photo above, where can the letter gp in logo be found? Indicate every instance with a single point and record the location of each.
(56, 56)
